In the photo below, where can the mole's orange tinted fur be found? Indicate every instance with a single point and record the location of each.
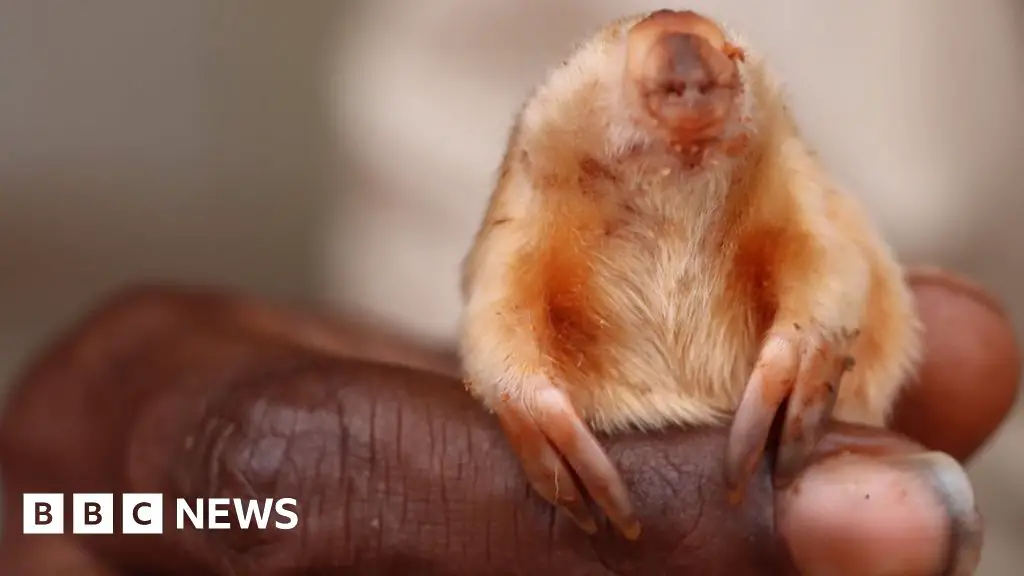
(663, 248)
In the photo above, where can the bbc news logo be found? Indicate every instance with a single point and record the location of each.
(144, 513)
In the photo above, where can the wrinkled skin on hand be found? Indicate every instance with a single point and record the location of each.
(196, 393)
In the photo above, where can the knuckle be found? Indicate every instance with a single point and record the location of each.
(258, 440)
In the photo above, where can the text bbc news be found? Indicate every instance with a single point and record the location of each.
(144, 513)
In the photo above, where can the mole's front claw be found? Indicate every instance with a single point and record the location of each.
(542, 430)
(803, 365)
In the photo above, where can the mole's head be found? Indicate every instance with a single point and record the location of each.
(665, 81)
(682, 79)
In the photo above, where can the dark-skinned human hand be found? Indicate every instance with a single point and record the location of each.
(202, 393)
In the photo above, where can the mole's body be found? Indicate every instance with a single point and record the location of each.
(663, 248)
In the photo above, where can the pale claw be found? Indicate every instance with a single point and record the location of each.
(810, 407)
(799, 364)
(546, 426)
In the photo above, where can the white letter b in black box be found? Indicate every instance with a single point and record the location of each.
(42, 514)
(92, 514)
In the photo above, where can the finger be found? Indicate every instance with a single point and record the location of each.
(867, 515)
(769, 385)
(842, 437)
(969, 377)
(47, 555)
(544, 469)
(809, 409)
(560, 423)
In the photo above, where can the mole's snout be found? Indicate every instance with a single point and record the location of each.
(684, 61)
(684, 72)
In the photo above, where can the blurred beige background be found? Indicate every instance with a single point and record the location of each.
(343, 151)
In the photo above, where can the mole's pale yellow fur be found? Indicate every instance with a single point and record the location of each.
(635, 284)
